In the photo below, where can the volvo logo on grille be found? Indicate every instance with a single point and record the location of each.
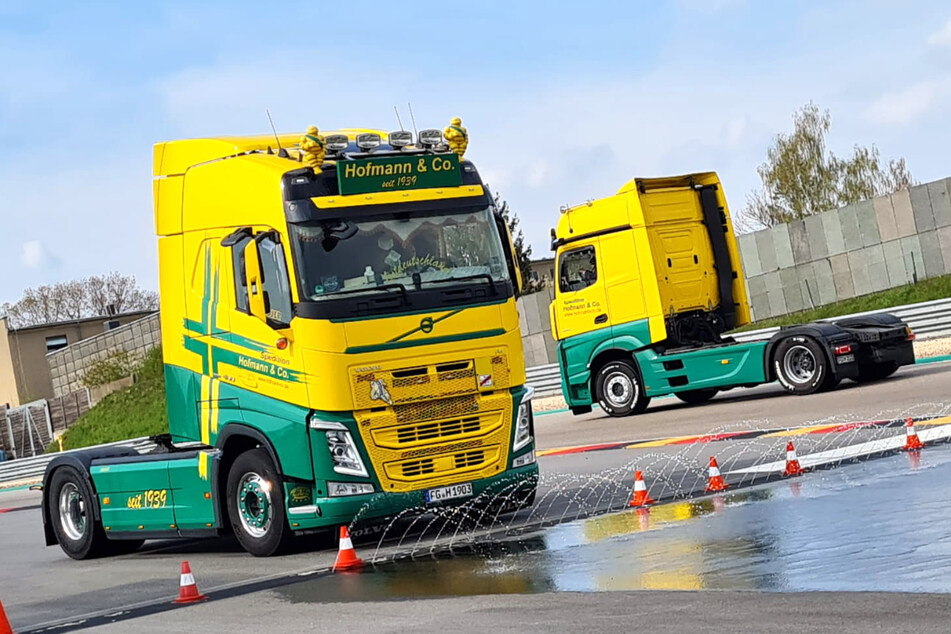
(378, 392)
(426, 325)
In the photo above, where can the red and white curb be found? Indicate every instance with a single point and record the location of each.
(821, 458)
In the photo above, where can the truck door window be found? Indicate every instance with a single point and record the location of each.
(578, 270)
(240, 281)
(276, 286)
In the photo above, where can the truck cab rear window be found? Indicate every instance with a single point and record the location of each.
(578, 270)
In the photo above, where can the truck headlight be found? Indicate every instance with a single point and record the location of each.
(340, 489)
(344, 452)
(523, 421)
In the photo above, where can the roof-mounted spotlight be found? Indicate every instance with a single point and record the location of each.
(430, 138)
(400, 138)
(336, 142)
(368, 141)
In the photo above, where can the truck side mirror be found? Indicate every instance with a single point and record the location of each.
(254, 279)
(511, 256)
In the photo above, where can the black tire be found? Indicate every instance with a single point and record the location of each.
(696, 397)
(876, 372)
(73, 517)
(620, 390)
(258, 520)
(801, 366)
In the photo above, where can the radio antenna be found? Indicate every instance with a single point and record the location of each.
(280, 151)
(413, 117)
(398, 120)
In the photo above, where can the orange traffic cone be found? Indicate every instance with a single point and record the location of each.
(4, 623)
(188, 589)
(715, 481)
(792, 461)
(346, 557)
(641, 498)
(912, 442)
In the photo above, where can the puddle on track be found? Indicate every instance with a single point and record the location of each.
(880, 525)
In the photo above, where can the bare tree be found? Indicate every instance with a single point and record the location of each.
(801, 177)
(90, 297)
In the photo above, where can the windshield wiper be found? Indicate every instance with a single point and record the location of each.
(474, 276)
(395, 286)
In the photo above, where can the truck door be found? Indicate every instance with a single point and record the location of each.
(580, 303)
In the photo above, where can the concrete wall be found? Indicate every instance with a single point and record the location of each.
(68, 366)
(540, 348)
(859, 249)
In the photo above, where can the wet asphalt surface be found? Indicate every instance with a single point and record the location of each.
(875, 525)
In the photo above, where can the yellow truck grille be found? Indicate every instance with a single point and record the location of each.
(375, 388)
(439, 441)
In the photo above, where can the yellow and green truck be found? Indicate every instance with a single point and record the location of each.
(340, 339)
(649, 283)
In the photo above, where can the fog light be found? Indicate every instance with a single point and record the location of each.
(340, 489)
(527, 459)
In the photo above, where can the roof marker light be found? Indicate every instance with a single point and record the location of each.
(368, 141)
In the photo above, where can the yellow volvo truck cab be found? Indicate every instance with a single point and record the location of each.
(340, 338)
(649, 281)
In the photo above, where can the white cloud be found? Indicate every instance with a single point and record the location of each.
(537, 174)
(941, 37)
(903, 106)
(32, 254)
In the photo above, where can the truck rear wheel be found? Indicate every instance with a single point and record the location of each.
(696, 397)
(256, 504)
(620, 390)
(801, 365)
(73, 517)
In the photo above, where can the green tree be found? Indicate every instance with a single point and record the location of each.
(802, 177)
(523, 251)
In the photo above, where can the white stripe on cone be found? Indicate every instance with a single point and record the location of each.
(910, 430)
(346, 544)
(188, 580)
(791, 455)
(639, 485)
(714, 471)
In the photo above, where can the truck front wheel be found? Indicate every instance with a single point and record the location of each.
(256, 504)
(620, 390)
(801, 365)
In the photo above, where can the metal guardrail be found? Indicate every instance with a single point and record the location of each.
(928, 320)
(33, 468)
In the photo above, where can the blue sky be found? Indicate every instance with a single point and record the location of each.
(563, 101)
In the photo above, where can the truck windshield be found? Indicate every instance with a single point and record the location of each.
(347, 256)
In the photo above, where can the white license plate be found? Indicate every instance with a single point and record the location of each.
(845, 358)
(450, 492)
